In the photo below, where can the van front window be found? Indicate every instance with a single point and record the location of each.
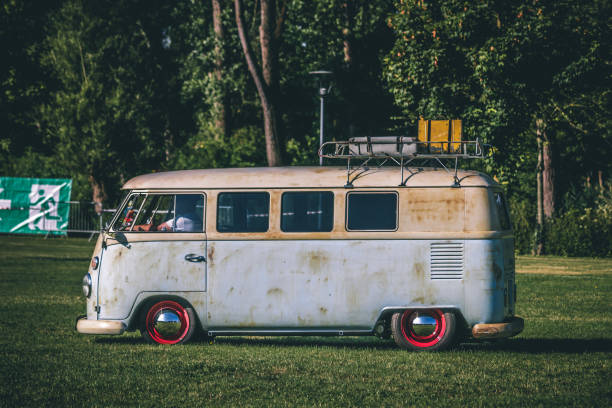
(129, 212)
(162, 213)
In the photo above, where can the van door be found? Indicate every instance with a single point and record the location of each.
(157, 247)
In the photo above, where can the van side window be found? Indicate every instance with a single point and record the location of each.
(371, 211)
(243, 212)
(307, 211)
(502, 210)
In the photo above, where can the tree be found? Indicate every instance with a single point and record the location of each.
(23, 86)
(266, 75)
(220, 104)
(504, 68)
(113, 108)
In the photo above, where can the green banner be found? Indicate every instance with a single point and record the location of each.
(34, 206)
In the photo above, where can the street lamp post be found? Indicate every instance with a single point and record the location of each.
(325, 87)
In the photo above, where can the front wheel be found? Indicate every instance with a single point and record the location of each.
(168, 322)
(424, 330)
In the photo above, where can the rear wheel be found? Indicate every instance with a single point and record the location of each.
(424, 330)
(168, 322)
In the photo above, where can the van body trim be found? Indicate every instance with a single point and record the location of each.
(290, 332)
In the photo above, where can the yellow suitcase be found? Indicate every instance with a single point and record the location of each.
(443, 136)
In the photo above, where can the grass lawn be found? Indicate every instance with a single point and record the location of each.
(563, 358)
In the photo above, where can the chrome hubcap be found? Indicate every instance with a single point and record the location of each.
(424, 325)
(167, 323)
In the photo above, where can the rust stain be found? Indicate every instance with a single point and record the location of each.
(419, 271)
(323, 310)
(275, 291)
(211, 256)
(316, 260)
(432, 210)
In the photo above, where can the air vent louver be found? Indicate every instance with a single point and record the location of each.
(446, 260)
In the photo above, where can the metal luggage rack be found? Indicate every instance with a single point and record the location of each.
(399, 150)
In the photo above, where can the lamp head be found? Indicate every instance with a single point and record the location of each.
(324, 78)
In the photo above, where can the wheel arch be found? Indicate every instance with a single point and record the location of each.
(147, 300)
(388, 311)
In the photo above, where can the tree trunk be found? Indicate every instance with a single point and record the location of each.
(347, 48)
(600, 178)
(269, 57)
(220, 103)
(548, 177)
(539, 244)
(347, 32)
(98, 193)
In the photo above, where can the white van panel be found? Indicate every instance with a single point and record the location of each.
(318, 284)
(137, 267)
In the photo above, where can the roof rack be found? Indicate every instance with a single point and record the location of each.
(400, 150)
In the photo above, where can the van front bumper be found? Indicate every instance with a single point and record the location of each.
(85, 326)
(510, 328)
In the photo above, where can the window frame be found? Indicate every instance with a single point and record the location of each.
(173, 193)
(267, 193)
(333, 197)
(346, 218)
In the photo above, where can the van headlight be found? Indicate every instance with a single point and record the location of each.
(87, 285)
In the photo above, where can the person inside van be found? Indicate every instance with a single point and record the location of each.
(187, 218)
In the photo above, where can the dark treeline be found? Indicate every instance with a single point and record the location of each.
(100, 91)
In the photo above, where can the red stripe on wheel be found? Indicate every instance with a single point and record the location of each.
(181, 313)
(423, 341)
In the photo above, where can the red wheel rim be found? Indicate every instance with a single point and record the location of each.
(427, 340)
(156, 311)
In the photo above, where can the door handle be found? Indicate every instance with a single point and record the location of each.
(194, 258)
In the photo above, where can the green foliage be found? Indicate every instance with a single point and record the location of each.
(583, 231)
(501, 65)
(112, 112)
(523, 222)
(206, 150)
(582, 227)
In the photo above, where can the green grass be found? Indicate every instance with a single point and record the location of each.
(562, 358)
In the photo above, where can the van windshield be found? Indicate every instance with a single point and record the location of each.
(502, 211)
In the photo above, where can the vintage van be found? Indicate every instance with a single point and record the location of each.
(298, 251)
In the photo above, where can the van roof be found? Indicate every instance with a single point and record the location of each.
(303, 177)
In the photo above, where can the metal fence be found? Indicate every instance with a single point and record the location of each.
(84, 218)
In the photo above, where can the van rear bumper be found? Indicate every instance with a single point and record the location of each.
(85, 326)
(498, 330)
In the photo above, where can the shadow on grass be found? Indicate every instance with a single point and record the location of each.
(338, 342)
(543, 346)
(520, 345)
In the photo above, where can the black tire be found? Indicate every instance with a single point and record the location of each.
(441, 336)
(177, 324)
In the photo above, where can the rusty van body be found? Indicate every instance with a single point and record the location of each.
(293, 251)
